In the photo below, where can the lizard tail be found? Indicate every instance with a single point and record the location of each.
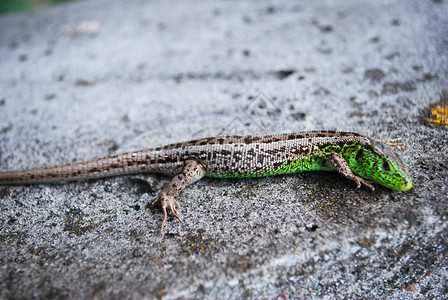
(121, 164)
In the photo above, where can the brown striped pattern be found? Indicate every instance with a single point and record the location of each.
(217, 155)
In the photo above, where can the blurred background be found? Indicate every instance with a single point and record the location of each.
(7, 6)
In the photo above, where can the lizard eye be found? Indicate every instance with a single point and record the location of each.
(386, 165)
(359, 154)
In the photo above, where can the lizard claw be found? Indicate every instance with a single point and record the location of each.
(394, 143)
(367, 183)
(167, 202)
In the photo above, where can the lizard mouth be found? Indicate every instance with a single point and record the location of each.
(406, 184)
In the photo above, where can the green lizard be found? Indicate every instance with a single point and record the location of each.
(355, 156)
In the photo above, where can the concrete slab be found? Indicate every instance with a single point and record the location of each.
(91, 78)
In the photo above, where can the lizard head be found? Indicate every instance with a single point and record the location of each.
(379, 162)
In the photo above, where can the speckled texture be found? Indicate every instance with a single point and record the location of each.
(92, 78)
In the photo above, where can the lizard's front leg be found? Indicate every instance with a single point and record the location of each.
(343, 168)
(192, 172)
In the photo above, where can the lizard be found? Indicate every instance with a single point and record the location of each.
(357, 157)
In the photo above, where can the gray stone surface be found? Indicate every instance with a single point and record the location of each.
(91, 78)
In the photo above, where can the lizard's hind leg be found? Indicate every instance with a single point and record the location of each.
(192, 172)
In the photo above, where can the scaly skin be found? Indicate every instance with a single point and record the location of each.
(355, 156)
(369, 159)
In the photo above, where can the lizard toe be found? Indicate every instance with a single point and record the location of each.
(173, 209)
(156, 201)
(162, 226)
(369, 184)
